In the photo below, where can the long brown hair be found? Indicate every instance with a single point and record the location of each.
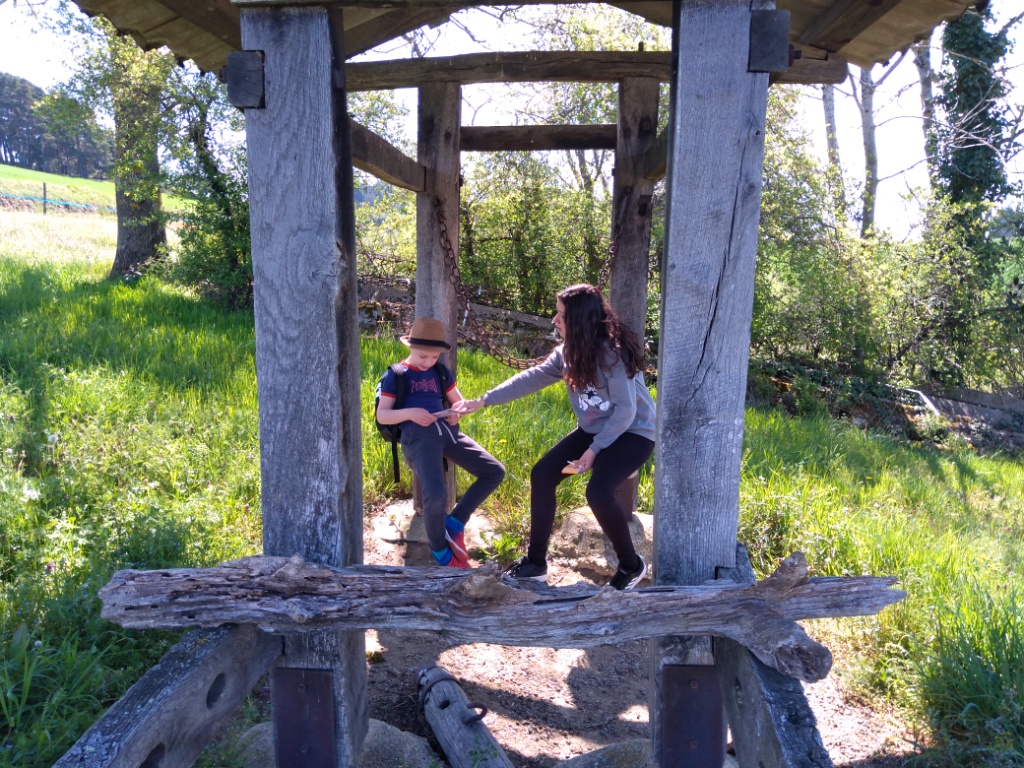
(591, 326)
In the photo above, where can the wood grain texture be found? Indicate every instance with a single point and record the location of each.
(510, 67)
(291, 596)
(716, 149)
(181, 704)
(535, 138)
(772, 724)
(373, 154)
(307, 340)
(466, 741)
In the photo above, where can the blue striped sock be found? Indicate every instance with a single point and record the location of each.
(453, 525)
(443, 557)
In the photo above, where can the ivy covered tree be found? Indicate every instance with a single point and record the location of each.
(979, 130)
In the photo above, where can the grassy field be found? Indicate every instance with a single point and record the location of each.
(128, 438)
(94, 193)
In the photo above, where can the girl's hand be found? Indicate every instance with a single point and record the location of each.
(585, 463)
(421, 416)
(469, 406)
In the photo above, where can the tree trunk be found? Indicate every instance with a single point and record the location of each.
(141, 237)
(835, 168)
(867, 123)
(923, 62)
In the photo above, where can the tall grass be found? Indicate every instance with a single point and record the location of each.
(129, 438)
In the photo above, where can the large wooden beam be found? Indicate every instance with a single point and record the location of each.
(373, 154)
(843, 20)
(307, 335)
(814, 67)
(772, 724)
(369, 34)
(290, 596)
(517, 67)
(534, 138)
(181, 704)
(716, 150)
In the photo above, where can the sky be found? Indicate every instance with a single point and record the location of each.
(39, 58)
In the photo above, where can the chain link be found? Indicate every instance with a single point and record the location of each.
(613, 243)
(477, 332)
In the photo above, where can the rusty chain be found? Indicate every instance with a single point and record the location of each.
(478, 333)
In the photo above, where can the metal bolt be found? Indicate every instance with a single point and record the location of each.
(693, 745)
(694, 684)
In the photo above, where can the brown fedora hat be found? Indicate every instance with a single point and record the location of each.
(426, 332)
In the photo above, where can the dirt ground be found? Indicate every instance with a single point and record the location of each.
(546, 705)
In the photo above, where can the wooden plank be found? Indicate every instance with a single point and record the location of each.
(372, 32)
(307, 341)
(656, 158)
(772, 724)
(457, 723)
(812, 69)
(535, 138)
(716, 149)
(181, 704)
(405, 4)
(438, 150)
(632, 208)
(373, 154)
(514, 67)
(843, 21)
(292, 596)
(219, 18)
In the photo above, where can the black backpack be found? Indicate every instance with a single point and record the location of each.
(393, 432)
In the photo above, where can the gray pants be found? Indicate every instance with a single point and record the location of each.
(425, 449)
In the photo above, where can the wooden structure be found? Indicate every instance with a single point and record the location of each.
(287, 65)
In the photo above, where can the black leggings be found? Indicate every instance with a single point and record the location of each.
(612, 466)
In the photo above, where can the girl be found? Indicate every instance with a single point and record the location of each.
(600, 361)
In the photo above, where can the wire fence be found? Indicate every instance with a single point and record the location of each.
(66, 205)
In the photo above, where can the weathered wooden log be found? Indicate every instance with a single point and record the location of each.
(180, 705)
(772, 724)
(289, 595)
(457, 722)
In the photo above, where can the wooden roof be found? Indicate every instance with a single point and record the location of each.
(862, 31)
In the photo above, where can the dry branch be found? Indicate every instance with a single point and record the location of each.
(289, 595)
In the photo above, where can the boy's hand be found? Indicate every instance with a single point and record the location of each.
(453, 417)
(422, 416)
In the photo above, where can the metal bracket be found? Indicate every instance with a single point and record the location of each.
(244, 77)
(693, 717)
(769, 41)
(303, 714)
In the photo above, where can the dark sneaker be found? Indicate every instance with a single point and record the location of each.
(623, 580)
(457, 544)
(524, 569)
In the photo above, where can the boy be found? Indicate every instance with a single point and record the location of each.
(427, 440)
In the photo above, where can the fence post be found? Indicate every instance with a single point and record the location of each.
(44, 198)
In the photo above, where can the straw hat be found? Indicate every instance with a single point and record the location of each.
(426, 332)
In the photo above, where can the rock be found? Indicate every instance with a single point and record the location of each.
(384, 747)
(625, 754)
(580, 538)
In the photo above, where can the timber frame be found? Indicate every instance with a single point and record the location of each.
(286, 63)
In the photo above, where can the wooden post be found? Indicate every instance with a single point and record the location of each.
(716, 150)
(631, 220)
(440, 119)
(307, 344)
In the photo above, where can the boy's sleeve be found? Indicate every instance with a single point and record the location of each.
(388, 385)
(451, 380)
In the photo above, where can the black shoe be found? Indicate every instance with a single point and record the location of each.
(525, 569)
(623, 580)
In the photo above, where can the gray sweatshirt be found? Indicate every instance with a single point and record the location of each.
(615, 405)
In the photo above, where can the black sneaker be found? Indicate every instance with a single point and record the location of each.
(525, 569)
(623, 580)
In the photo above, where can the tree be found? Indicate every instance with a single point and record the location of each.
(73, 142)
(129, 85)
(980, 130)
(19, 129)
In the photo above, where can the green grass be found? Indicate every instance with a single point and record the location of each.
(129, 438)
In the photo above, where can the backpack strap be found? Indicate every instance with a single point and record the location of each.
(401, 388)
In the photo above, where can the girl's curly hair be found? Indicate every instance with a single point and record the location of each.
(591, 328)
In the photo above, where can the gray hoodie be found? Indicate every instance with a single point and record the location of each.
(615, 405)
